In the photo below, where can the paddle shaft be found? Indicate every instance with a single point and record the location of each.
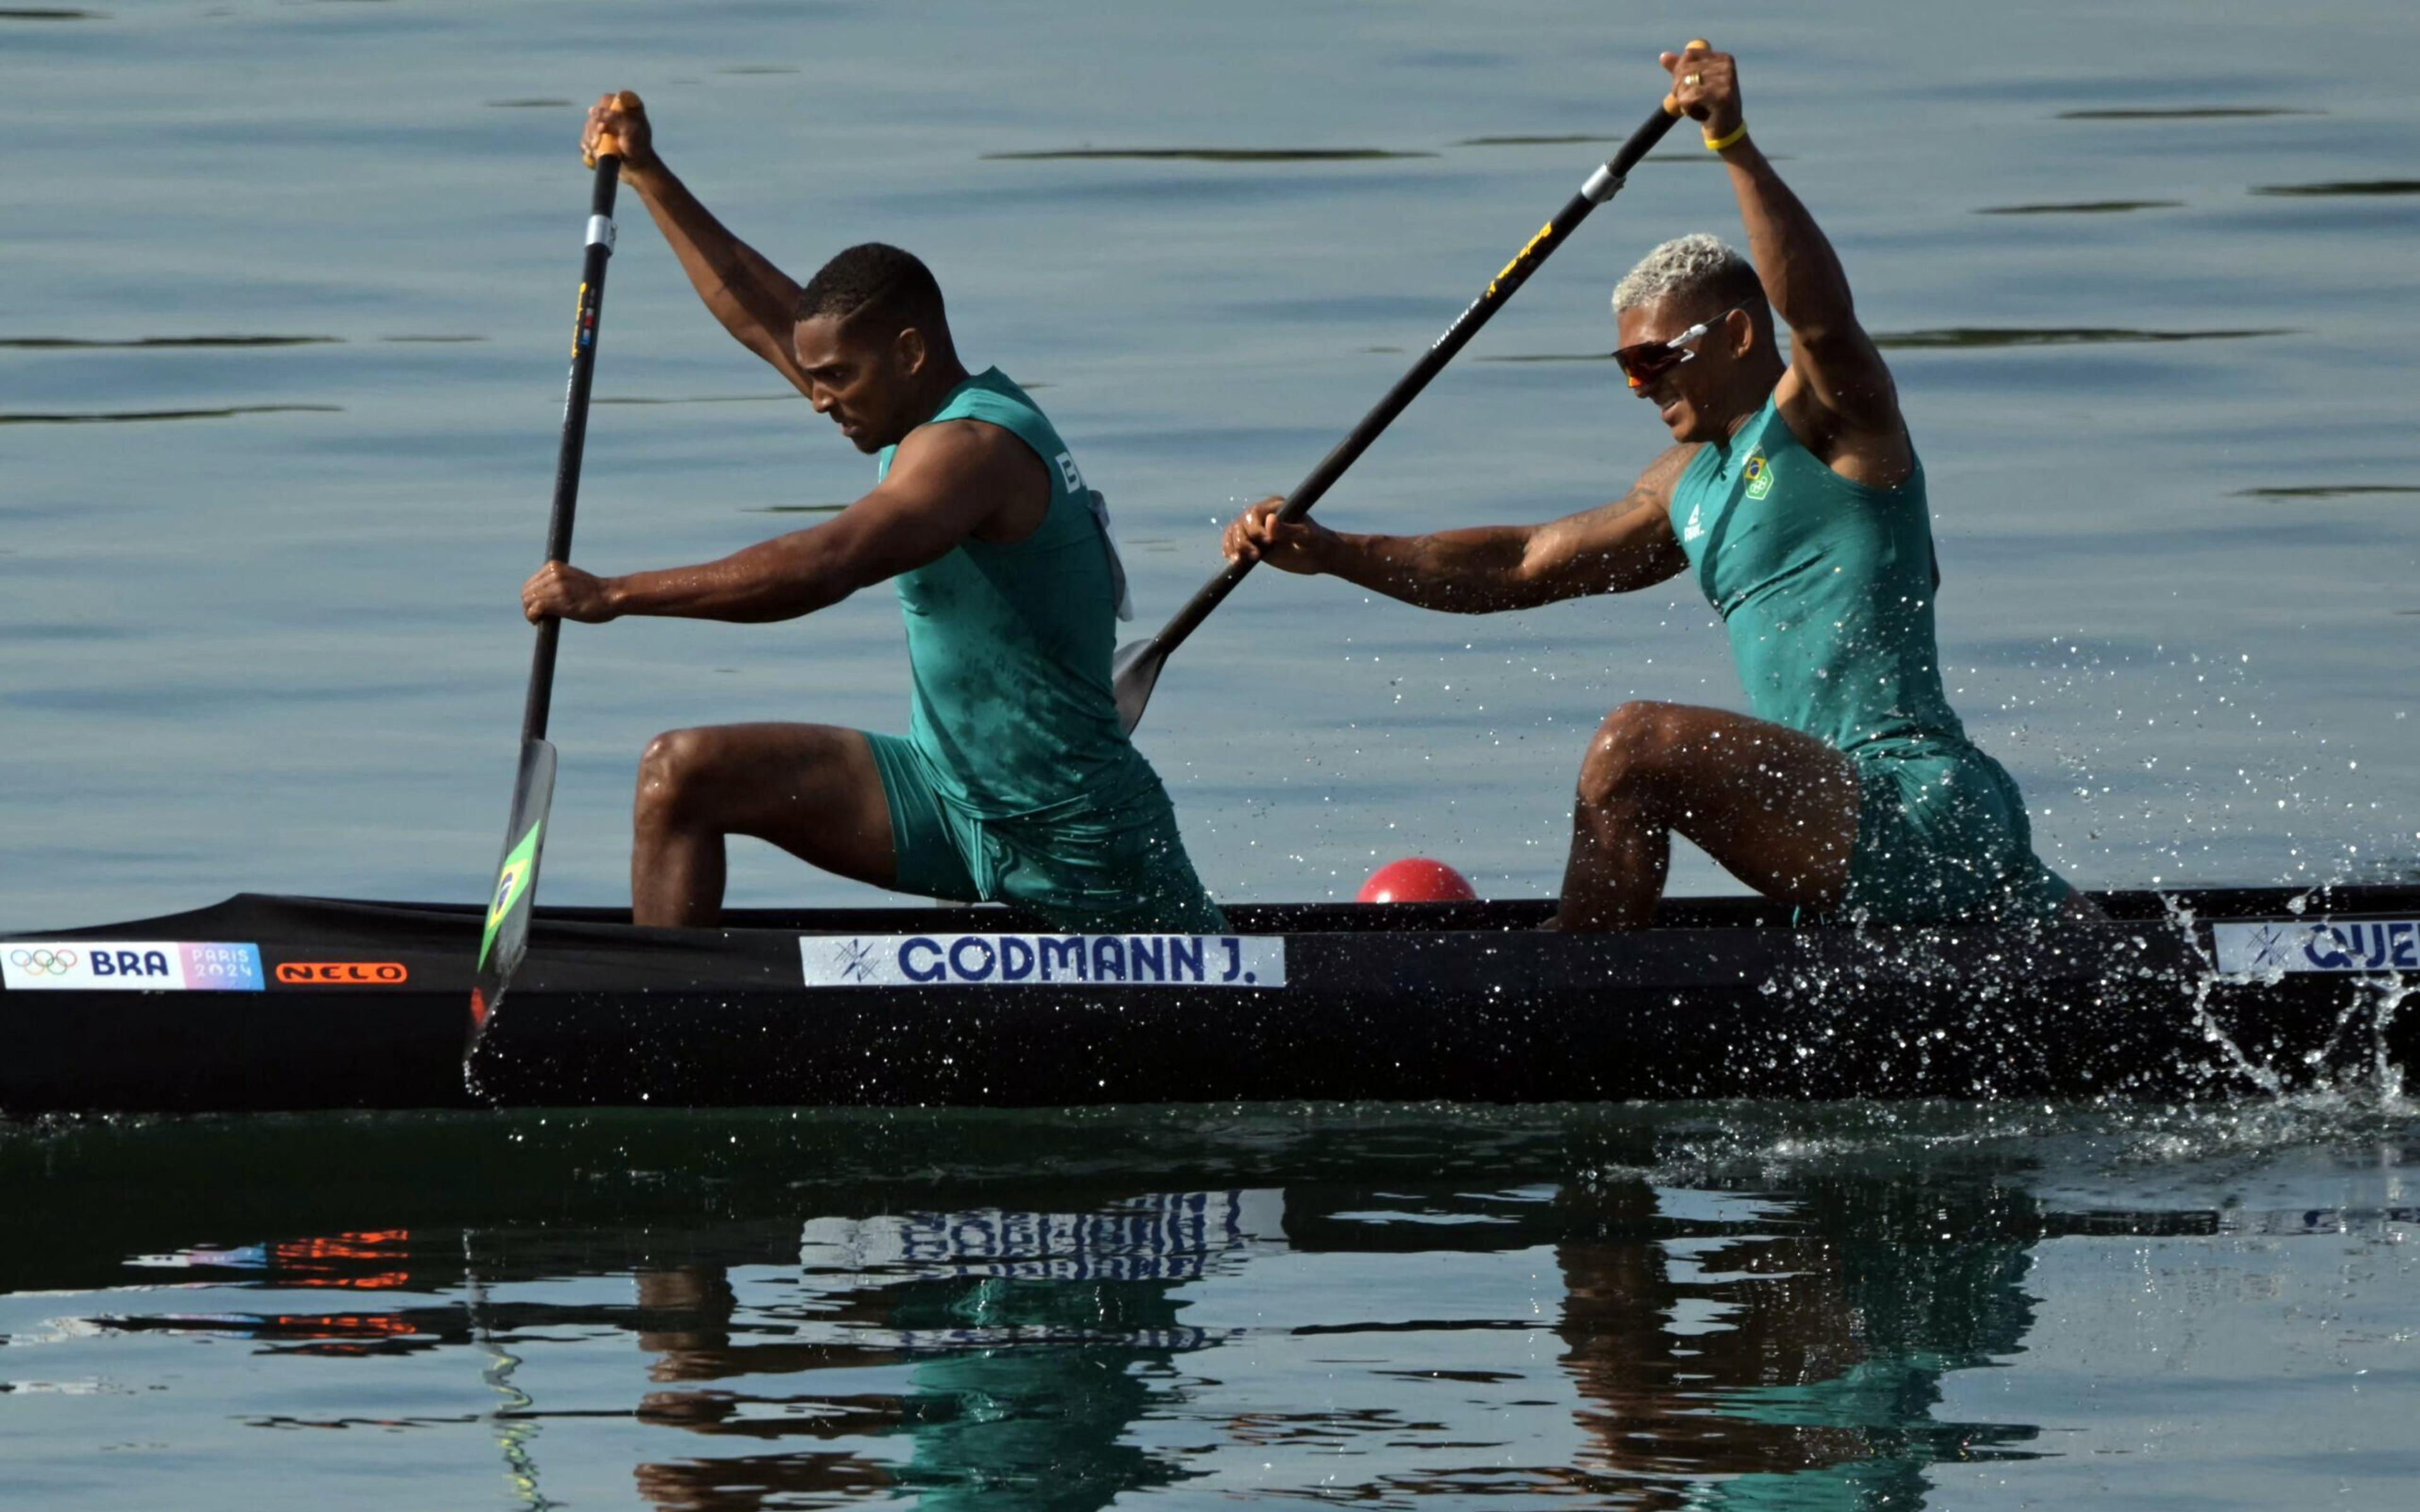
(1601, 186)
(507, 927)
(575, 432)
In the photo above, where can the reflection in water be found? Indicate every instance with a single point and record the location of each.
(1720, 1352)
(511, 1421)
(1589, 1308)
(1027, 1342)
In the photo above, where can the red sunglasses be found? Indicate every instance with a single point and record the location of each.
(1645, 361)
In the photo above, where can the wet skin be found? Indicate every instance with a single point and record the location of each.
(812, 790)
(1776, 807)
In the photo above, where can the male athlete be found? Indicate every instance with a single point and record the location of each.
(1016, 780)
(1795, 498)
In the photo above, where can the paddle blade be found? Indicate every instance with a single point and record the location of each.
(1133, 674)
(506, 937)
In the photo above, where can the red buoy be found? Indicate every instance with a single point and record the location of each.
(1416, 879)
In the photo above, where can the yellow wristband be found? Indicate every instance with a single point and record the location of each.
(1715, 144)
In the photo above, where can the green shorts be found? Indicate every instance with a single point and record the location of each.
(1943, 839)
(1120, 871)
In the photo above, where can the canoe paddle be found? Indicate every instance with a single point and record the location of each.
(1137, 665)
(506, 937)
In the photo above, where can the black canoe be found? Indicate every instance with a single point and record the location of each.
(264, 1002)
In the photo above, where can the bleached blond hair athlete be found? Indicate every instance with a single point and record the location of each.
(1793, 495)
(1684, 266)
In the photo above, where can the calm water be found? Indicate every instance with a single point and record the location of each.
(1697, 1307)
(280, 369)
(273, 643)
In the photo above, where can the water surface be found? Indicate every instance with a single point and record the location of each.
(282, 375)
(282, 364)
(1718, 1306)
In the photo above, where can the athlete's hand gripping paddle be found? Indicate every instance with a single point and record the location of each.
(506, 937)
(1137, 665)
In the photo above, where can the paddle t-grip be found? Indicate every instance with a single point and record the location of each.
(1672, 103)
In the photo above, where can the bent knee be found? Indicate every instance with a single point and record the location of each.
(1629, 752)
(671, 769)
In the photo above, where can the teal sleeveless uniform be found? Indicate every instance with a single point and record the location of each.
(1825, 588)
(1015, 781)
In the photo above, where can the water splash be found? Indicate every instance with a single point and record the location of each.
(2207, 980)
(2375, 1090)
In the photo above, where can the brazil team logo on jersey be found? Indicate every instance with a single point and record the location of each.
(1758, 474)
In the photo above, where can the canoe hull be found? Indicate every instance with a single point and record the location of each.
(365, 1006)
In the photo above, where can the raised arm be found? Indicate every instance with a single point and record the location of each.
(1610, 549)
(1837, 395)
(948, 481)
(754, 300)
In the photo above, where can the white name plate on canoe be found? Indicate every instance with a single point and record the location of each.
(128, 965)
(1042, 960)
(2355, 945)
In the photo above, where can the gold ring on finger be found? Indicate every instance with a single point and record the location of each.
(1693, 79)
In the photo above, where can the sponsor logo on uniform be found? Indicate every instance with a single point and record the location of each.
(2330, 945)
(1693, 530)
(128, 965)
(1067, 470)
(342, 973)
(1757, 473)
(1042, 960)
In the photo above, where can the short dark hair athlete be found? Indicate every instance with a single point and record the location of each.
(1793, 495)
(1016, 780)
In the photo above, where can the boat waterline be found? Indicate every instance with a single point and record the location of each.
(265, 1002)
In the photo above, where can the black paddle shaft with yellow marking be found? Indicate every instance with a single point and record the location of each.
(507, 935)
(1138, 664)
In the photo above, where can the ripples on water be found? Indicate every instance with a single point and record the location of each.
(1725, 1306)
(289, 427)
(2154, 330)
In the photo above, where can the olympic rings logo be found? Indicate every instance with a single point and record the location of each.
(44, 963)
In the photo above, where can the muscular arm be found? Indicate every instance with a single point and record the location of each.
(1832, 359)
(1837, 395)
(948, 481)
(1619, 547)
(755, 300)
